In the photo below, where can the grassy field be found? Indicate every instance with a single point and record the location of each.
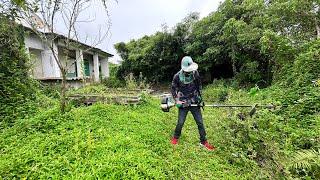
(131, 142)
(113, 141)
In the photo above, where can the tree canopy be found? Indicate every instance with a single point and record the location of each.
(250, 40)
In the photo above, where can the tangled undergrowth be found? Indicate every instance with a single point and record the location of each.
(113, 141)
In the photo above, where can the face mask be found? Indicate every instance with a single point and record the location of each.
(186, 77)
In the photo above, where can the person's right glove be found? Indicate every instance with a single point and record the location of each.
(179, 103)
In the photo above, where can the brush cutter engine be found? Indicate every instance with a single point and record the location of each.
(167, 102)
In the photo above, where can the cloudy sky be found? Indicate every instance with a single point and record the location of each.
(133, 19)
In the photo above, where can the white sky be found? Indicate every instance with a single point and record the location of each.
(132, 19)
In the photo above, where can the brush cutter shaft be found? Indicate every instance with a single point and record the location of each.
(230, 106)
(223, 105)
(220, 105)
(167, 103)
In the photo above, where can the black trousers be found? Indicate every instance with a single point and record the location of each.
(196, 112)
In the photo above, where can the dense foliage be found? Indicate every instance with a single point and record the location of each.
(279, 140)
(114, 141)
(251, 40)
(16, 87)
(108, 141)
(273, 44)
(156, 57)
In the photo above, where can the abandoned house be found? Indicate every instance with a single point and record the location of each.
(83, 61)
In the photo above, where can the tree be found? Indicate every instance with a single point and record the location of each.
(249, 40)
(158, 56)
(296, 19)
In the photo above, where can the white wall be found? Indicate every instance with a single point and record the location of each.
(46, 66)
(36, 63)
(32, 41)
(105, 73)
(50, 68)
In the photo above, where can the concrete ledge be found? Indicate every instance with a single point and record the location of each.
(59, 78)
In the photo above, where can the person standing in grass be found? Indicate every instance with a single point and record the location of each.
(186, 90)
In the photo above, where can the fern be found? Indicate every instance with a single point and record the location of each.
(306, 159)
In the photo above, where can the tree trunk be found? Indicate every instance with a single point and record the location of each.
(318, 31)
(317, 28)
(233, 60)
(269, 78)
(63, 92)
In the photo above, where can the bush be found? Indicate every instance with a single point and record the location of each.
(50, 90)
(113, 82)
(306, 66)
(17, 89)
(271, 138)
(249, 74)
(216, 92)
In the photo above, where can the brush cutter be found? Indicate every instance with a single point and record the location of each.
(167, 102)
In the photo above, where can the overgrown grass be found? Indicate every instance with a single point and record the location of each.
(114, 142)
(111, 141)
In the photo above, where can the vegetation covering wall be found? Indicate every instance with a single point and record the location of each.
(16, 88)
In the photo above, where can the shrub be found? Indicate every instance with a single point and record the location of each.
(134, 83)
(216, 92)
(249, 73)
(50, 90)
(306, 67)
(17, 89)
(113, 82)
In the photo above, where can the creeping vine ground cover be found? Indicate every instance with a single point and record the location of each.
(113, 141)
